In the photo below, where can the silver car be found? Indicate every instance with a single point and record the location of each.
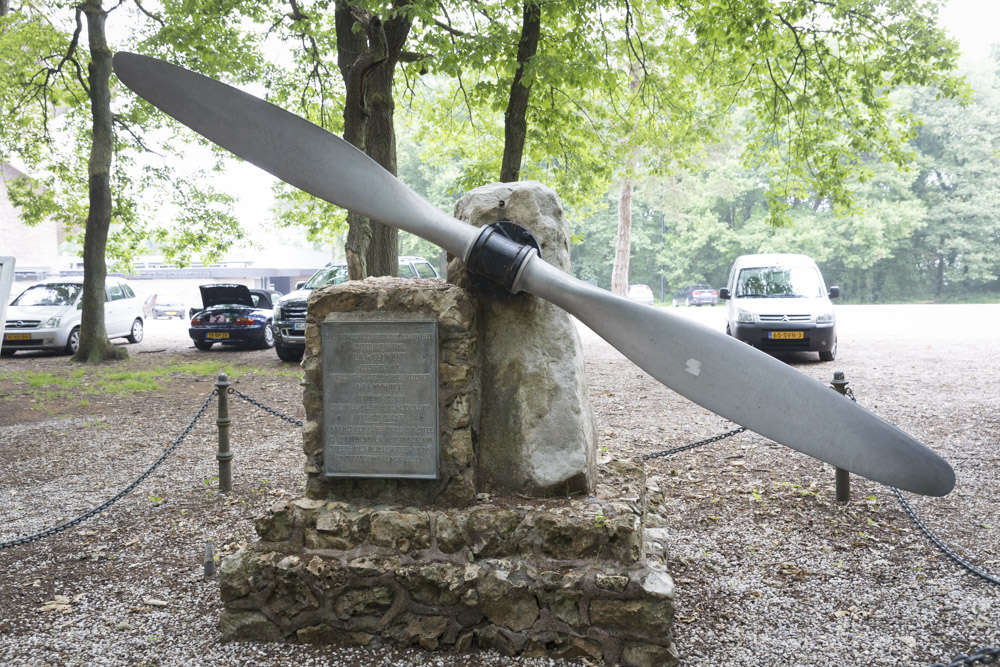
(46, 316)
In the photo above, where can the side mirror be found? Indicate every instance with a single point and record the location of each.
(300, 284)
(79, 305)
(723, 293)
(833, 292)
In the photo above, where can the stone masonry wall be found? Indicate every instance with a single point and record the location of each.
(564, 578)
(458, 391)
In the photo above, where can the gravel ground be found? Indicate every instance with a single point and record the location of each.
(769, 569)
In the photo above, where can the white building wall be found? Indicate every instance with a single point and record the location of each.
(32, 247)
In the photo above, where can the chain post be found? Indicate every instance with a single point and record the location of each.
(842, 478)
(224, 455)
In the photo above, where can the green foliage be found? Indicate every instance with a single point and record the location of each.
(927, 232)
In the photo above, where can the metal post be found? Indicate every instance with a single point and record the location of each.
(224, 455)
(209, 560)
(842, 477)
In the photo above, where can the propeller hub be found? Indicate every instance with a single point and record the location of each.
(497, 257)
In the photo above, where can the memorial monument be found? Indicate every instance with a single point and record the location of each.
(453, 499)
(385, 549)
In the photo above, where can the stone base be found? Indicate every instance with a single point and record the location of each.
(563, 578)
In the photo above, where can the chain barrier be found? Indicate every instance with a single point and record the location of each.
(986, 656)
(121, 494)
(969, 567)
(266, 408)
(684, 448)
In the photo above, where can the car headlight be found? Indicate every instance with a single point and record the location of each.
(52, 322)
(744, 316)
(824, 317)
(277, 313)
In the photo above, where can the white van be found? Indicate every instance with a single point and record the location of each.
(779, 302)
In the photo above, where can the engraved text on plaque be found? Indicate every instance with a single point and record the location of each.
(380, 398)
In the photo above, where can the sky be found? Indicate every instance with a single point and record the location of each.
(974, 22)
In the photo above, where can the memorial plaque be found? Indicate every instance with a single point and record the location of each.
(380, 398)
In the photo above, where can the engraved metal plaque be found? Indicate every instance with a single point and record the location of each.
(380, 398)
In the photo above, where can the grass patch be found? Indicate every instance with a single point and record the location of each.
(84, 384)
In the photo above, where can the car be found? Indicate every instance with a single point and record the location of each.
(163, 305)
(779, 302)
(233, 314)
(290, 310)
(697, 294)
(46, 316)
(640, 293)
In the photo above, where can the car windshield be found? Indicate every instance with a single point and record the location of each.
(53, 294)
(779, 282)
(330, 275)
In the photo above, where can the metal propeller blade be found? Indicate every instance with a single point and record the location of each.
(716, 371)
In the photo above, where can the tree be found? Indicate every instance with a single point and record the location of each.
(958, 180)
(814, 76)
(44, 77)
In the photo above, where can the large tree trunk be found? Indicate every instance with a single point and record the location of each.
(515, 118)
(4, 7)
(623, 242)
(94, 344)
(367, 61)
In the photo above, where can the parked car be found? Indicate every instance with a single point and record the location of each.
(290, 310)
(640, 293)
(46, 316)
(696, 295)
(233, 314)
(779, 302)
(163, 305)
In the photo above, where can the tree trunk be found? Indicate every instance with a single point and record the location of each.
(94, 344)
(515, 121)
(4, 7)
(623, 241)
(939, 278)
(367, 61)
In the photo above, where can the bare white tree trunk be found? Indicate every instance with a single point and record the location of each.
(623, 241)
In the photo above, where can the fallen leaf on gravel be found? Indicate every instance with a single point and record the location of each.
(59, 603)
(153, 602)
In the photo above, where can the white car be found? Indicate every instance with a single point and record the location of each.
(46, 316)
(640, 293)
(779, 302)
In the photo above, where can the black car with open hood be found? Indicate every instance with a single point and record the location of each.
(233, 314)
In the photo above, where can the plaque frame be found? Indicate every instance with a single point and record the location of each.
(410, 345)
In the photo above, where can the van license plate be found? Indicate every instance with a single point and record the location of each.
(786, 335)
(17, 337)
(217, 334)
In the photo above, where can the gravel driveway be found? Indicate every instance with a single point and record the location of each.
(769, 569)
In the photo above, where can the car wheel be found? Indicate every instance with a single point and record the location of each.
(287, 354)
(73, 342)
(830, 355)
(267, 339)
(203, 344)
(136, 335)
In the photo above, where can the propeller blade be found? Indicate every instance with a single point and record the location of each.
(728, 377)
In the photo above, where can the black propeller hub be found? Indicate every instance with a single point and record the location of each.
(497, 257)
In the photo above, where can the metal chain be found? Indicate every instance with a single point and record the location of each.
(986, 656)
(684, 448)
(939, 544)
(121, 494)
(266, 408)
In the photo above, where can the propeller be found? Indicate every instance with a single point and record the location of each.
(716, 371)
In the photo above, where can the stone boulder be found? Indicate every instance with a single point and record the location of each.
(537, 434)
